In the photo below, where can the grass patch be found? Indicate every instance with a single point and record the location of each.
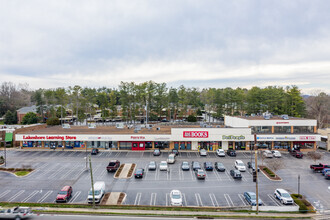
(22, 173)
(304, 205)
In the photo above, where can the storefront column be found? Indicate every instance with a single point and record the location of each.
(273, 129)
(43, 144)
(272, 145)
(117, 145)
(247, 145)
(314, 145)
(153, 145)
(194, 145)
(291, 145)
(171, 145)
(21, 144)
(291, 129)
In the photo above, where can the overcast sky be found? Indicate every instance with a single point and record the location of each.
(50, 44)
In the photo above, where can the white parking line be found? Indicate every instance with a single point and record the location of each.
(217, 175)
(75, 196)
(16, 195)
(188, 154)
(274, 200)
(137, 199)
(184, 199)
(30, 196)
(198, 199)
(167, 199)
(44, 197)
(56, 173)
(192, 175)
(242, 199)
(228, 199)
(70, 170)
(153, 199)
(4, 193)
(213, 200)
(116, 155)
(228, 175)
(181, 174)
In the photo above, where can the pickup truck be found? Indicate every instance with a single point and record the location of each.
(16, 213)
(113, 165)
(319, 167)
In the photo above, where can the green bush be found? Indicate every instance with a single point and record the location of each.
(191, 118)
(53, 121)
(30, 118)
(269, 172)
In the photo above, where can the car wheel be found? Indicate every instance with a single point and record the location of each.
(17, 218)
(282, 201)
(275, 196)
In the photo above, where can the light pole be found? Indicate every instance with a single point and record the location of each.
(256, 170)
(298, 184)
(92, 182)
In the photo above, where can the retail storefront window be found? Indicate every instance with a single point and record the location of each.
(281, 145)
(148, 145)
(261, 129)
(240, 145)
(264, 145)
(303, 145)
(162, 144)
(125, 145)
(303, 129)
(282, 129)
(231, 145)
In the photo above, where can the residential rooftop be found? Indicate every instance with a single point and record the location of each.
(276, 117)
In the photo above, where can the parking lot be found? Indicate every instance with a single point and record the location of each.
(54, 169)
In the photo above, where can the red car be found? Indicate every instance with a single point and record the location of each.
(297, 154)
(65, 194)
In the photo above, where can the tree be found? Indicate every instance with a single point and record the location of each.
(314, 155)
(275, 165)
(318, 107)
(53, 121)
(10, 117)
(296, 102)
(30, 118)
(192, 118)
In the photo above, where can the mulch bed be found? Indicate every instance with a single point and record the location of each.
(13, 170)
(130, 172)
(267, 174)
(105, 199)
(121, 198)
(117, 174)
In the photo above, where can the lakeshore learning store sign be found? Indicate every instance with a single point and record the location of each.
(49, 137)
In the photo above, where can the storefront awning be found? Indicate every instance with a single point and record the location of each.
(9, 137)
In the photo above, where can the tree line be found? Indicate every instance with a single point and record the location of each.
(152, 98)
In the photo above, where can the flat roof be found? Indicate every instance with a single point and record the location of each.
(277, 117)
(102, 130)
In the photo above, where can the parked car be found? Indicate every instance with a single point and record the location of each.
(152, 165)
(276, 153)
(113, 165)
(231, 153)
(171, 159)
(16, 213)
(252, 166)
(319, 167)
(327, 175)
(203, 152)
(139, 173)
(221, 153)
(175, 152)
(99, 191)
(195, 165)
(208, 166)
(200, 174)
(251, 198)
(297, 154)
(185, 165)
(283, 196)
(163, 166)
(156, 152)
(219, 167)
(239, 165)
(324, 171)
(236, 174)
(267, 154)
(64, 195)
(94, 151)
(176, 198)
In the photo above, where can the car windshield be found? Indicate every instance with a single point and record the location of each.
(152, 163)
(240, 164)
(176, 196)
(200, 172)
(62, 192)
(185, 164)
(286, 195)
(96, 192)
(220, 165)
(139, 171)
(112, 164)
(163, 164)
(156, 151)
(253, 196)
(171, 157)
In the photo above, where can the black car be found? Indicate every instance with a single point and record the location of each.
(208, 166)
(231, 153)
(236, 174)
(175, 152)
(219, 167)
(139, 173)
(195, 165)
(252, 166)
(157, 152)
(95, 151)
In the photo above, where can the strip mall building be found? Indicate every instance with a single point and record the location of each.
(238, 133)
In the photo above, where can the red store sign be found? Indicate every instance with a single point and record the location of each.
(307, 137)
(195, 134)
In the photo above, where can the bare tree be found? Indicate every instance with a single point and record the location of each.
(315, 155)
(318, 106)
(275, 165)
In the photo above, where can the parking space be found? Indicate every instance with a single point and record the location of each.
(54, 169)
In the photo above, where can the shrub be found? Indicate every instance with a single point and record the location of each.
(30, 118)
(191, 118)
(270, 173)
(53, 121)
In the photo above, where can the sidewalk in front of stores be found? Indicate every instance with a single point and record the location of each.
(173, 213)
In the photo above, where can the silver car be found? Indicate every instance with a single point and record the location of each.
(152, 165)
(203, 152)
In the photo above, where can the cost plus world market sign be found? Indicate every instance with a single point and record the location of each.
(195, 134)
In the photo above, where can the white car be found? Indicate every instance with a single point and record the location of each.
(16, 213)
(276, 153)
(221, 153)
(202, 152)
(239, 165)
(163, 165)
(283, 196)
(171, 158)
(268, 154)
(176, 198)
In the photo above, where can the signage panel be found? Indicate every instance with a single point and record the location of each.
(195, 134)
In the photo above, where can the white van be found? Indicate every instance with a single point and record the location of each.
(171, 158)
(99, 190)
